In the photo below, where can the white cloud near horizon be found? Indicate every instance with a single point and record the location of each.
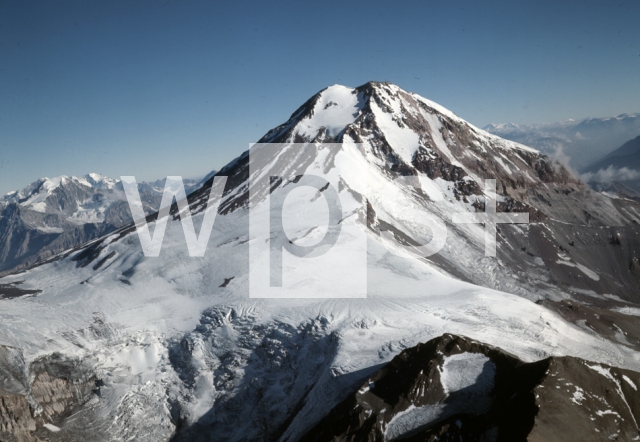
(611, 174)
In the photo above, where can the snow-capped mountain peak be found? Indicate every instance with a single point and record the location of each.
(35, 194)
(411, 135)
(96, 180)
(407, 121)
(336, 107)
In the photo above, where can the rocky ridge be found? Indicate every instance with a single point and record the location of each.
(42, 395)
(453, 388)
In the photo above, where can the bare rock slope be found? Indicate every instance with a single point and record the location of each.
(453, 388)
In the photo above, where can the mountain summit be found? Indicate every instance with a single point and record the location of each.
(414, 135)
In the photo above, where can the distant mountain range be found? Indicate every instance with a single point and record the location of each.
(626, 156)
(618, 172)
(54, 214)
(577, 144)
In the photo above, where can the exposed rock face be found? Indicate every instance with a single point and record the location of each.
(16, 413)
(455, 389)
(610, 318)
(16, 420)
(57, 386)
(60, 384)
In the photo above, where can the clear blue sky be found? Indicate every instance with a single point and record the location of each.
(156, 88)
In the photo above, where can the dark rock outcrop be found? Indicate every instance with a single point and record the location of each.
(453, 388)
(52, 388)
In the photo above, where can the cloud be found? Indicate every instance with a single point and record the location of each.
(556, 152)
(560, 156)
(611, 174)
